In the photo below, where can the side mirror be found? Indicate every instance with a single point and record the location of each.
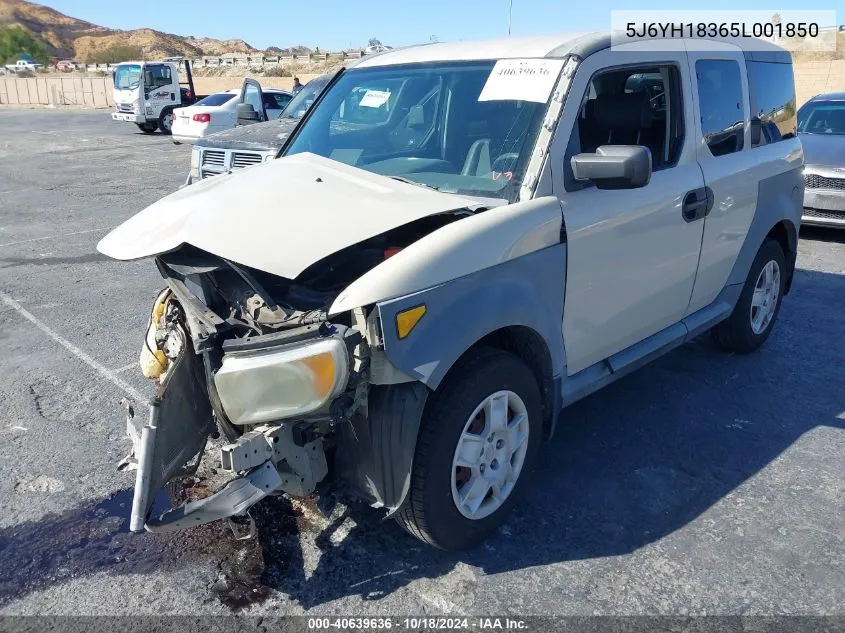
(247, 114)
(614, 167)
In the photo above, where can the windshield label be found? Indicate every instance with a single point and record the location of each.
(375, 98)
(521, 80)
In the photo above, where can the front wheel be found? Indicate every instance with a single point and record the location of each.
(165, 122)
(758, 306)
(147, 128)
(479, 439)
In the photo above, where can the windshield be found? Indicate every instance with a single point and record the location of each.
(429, 124)
(822, 117)
(298, 106)
(127, 77)
(217, 99)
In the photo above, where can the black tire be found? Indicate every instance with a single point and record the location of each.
(735, 334)
(429, 511)
(165, 116)
(147, 128)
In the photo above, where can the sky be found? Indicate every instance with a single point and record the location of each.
(335, 24)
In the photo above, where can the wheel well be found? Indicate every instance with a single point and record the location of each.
(528, 345)
(784, 233)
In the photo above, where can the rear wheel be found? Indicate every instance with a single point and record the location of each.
(147, 128)
(759, 304)
(165, 122)
(479, 439)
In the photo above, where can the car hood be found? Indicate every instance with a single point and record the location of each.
(280, 216)
(258, 136)
(823, 149)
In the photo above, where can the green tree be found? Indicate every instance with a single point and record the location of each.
(115, 54)
(15, 41)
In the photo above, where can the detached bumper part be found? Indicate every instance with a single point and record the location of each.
(235, 498)
(177, 428)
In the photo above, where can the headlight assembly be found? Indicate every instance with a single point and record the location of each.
(273, 384)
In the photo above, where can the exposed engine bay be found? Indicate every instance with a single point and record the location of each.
(254, 358)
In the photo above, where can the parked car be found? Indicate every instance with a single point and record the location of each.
(821, 128)
(219, 112)
(243, 146)
(458, 241)
(377, 48)
(65, 66)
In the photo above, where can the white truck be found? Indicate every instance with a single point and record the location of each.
(146, 93)
(23, 64)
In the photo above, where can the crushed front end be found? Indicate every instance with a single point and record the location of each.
(253, 358)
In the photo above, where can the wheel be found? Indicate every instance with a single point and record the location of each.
(755, 313)
(165, 121)
(479, 438)
(147, 128)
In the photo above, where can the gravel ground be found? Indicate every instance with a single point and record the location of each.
(704, 483)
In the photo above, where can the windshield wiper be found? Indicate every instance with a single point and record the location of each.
(413, 182)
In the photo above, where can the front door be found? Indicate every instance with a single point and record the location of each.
(251, 94)
(632, 253)
(161, 88)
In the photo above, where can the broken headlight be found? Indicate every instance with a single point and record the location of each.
(266, 385)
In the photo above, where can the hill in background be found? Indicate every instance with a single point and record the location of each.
(69, 37)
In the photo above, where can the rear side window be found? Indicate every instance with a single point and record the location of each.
(216, 99)
(721, 105)
(771, 90)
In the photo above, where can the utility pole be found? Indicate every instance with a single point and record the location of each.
(510, 14)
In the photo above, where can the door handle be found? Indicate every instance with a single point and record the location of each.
(697, 204)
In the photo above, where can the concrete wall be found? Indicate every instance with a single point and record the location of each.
(96, 92)
(811, 78)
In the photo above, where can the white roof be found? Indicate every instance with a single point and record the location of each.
(501, 48)
(560, 45)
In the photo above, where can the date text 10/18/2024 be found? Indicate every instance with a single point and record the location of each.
(416, 624)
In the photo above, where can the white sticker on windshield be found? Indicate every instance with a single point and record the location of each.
(521, 80)
(374, 98)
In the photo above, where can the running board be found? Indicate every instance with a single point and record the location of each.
(628, 360)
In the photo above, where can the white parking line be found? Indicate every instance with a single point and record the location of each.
(73, 349)
(50, 237)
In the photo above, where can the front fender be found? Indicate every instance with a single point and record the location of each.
(461, 248)
(527, 291)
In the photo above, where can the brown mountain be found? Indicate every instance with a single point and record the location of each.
(70, 37)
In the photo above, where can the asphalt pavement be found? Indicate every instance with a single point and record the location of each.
(706, 483)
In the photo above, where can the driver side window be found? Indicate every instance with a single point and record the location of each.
(630, 106)
(157, 77)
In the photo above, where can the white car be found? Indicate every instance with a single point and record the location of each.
(219, 112)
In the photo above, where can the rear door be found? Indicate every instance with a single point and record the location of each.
(632, 254)
(731, 171)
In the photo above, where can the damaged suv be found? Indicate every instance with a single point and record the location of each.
(458, 241)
